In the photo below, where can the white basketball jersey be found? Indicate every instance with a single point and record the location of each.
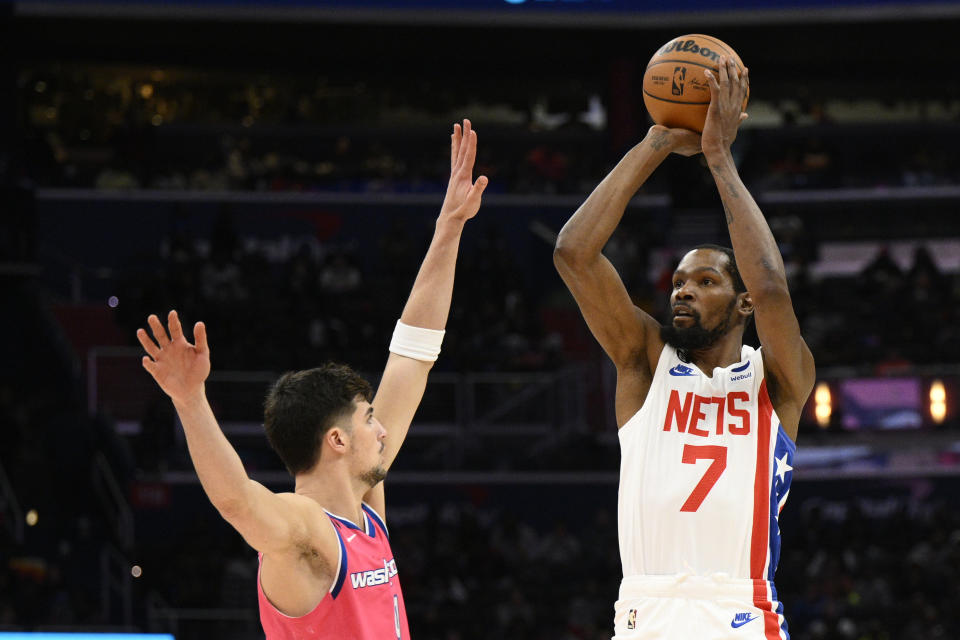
(705, 470)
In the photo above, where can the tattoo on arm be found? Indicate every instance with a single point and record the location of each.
(731, 187)
(659, 140)
(767, 264)
(729, 214)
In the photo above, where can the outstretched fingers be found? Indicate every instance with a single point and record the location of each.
(200, 337)
(733, 72)
(173, 323)
(470, 155)
(478, 187)
(465, 142)
(712, 83)
(728, 82)
(724, 78)
(471, 203)
(736, 81)
(148, 345)
(149, 365)
(159, 333)
(455, 139)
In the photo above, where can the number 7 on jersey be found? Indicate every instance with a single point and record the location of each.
(693, 453)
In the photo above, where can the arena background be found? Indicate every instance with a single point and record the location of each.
(274, 169)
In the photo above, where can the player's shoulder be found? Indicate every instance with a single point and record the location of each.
(638, 334)
(661, 356)
(301, 504)
(316, 528)
(646, 343)
(293, 498)
(646, 325)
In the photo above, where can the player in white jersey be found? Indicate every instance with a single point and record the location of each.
(707, 425)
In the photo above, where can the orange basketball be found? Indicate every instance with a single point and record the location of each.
(675, 90)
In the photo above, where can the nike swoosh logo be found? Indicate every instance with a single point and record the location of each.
(351, 537)
(736, 625)
(681, 370)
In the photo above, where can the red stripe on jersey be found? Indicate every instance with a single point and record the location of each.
(760, 537)
(761, 600)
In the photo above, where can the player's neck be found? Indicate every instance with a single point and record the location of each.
(336, 492)
(723, 353)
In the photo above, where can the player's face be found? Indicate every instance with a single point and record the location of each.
(368, 440)
(702, 301)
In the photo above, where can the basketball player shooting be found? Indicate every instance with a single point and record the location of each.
(326, 568)
(707, 425)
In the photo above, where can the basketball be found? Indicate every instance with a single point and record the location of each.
(675, 90)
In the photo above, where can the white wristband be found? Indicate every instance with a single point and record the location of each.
(416, 342)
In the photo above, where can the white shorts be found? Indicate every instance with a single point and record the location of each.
(681, 607)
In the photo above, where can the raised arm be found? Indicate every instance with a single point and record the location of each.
(405, 378)
(267, 521)
(787, 359)
(628, 334)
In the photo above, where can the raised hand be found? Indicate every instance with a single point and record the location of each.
(727, 95)
(463, 194)
(179, 367)
(680, 141)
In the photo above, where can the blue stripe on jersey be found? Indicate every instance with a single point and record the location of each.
(783, 454)
(373, 516)
(779, 610)
(344, 522)
(335, 591)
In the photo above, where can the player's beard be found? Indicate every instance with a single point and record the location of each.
(374, 475)
(695, 337)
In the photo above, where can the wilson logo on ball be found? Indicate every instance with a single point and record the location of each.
(679, 76)
(675, 90)
(690, 46)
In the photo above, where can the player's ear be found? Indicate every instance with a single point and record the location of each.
(745, 304)
(337, 439)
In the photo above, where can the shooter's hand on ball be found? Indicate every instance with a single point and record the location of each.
(179, 367)
(680, 141)
(726, 107)
(463, 194)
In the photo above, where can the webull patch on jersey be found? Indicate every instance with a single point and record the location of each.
(374, 577)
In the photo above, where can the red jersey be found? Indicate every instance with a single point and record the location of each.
(365, 601)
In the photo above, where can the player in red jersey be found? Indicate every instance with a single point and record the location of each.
(326, 569)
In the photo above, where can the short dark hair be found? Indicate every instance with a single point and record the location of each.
(732, 270)
(303, 405)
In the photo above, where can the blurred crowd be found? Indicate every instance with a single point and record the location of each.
(130, 128)
(139, 128)
(847, 321)
(870, 570)
(851, 569)
(338, 300)
(52, 524)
